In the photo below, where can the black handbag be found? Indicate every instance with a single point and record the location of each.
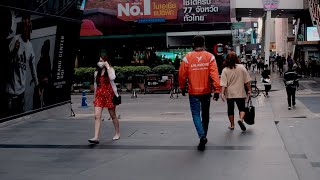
(250, 112)
(116, 100)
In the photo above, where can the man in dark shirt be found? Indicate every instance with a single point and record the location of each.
(291, 81)
(280, 65)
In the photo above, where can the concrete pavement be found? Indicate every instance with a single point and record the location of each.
(158, 141)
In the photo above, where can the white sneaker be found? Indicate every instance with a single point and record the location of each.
(289, 108)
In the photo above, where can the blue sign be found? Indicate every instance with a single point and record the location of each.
(151, 20)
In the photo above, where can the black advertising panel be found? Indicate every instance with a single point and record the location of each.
(37, 47)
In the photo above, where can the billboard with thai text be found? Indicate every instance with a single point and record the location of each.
(172, 11)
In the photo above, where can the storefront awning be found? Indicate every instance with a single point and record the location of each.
(89, 29)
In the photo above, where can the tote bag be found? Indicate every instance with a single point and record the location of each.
(250, 112)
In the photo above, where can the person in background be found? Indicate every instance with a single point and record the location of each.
(22, 61)
(233, 78)
(259, 64)
(249, 63)
(290, 62)
(254, 63)
(291, 81)
(44, 74)
(199, 67)
(105, 90)
(303, 66)
(177, 62)
(266, 79)
(272, 60)
(278, 59)
(280, 65)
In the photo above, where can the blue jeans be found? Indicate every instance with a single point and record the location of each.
(200, 108)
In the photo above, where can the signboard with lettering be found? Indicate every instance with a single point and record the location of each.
(205, 11)
(144, 9)
(172, 11)
(270, 5)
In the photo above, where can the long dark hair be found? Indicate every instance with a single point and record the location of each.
(99, 70)
(231, 60)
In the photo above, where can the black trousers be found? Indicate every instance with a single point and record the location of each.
(291, 95)
(241, 103)
(267, 88)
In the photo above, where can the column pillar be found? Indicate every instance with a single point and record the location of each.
(267, 37)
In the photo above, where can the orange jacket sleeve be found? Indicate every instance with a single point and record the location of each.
(214, 74)
(183, 74)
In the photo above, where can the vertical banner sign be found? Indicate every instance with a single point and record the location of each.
(62, 68)
(59, 68)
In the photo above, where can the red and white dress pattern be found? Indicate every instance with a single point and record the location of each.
(104, 94)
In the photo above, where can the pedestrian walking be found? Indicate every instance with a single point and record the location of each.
(249, 63)
(105, 92)
(199, 67)
(233, 78)
(291, 81)
(303, 67)
(259, 64)
(280, 65)
(266, 80)
(290, 62)
(272, 60)
(254, 63)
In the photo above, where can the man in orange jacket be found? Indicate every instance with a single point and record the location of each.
(200, 68)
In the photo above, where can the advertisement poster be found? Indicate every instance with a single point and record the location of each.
(171, 11)
(313, 34)
(36, 61)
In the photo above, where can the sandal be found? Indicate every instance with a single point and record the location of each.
(242, 126)
(115, 138)
(93, 141)
(231, 128)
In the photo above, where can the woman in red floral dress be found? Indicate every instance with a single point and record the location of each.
(105, 90)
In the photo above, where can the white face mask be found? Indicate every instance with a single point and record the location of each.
(100, 64)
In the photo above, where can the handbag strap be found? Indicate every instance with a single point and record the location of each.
(249, 102)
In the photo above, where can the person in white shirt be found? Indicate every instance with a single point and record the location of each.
(21, 60)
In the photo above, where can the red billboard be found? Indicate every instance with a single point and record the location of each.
(132, 11)
(177, 11)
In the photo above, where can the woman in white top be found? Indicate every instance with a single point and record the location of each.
(233, 78)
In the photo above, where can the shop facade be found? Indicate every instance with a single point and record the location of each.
(151, 32)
